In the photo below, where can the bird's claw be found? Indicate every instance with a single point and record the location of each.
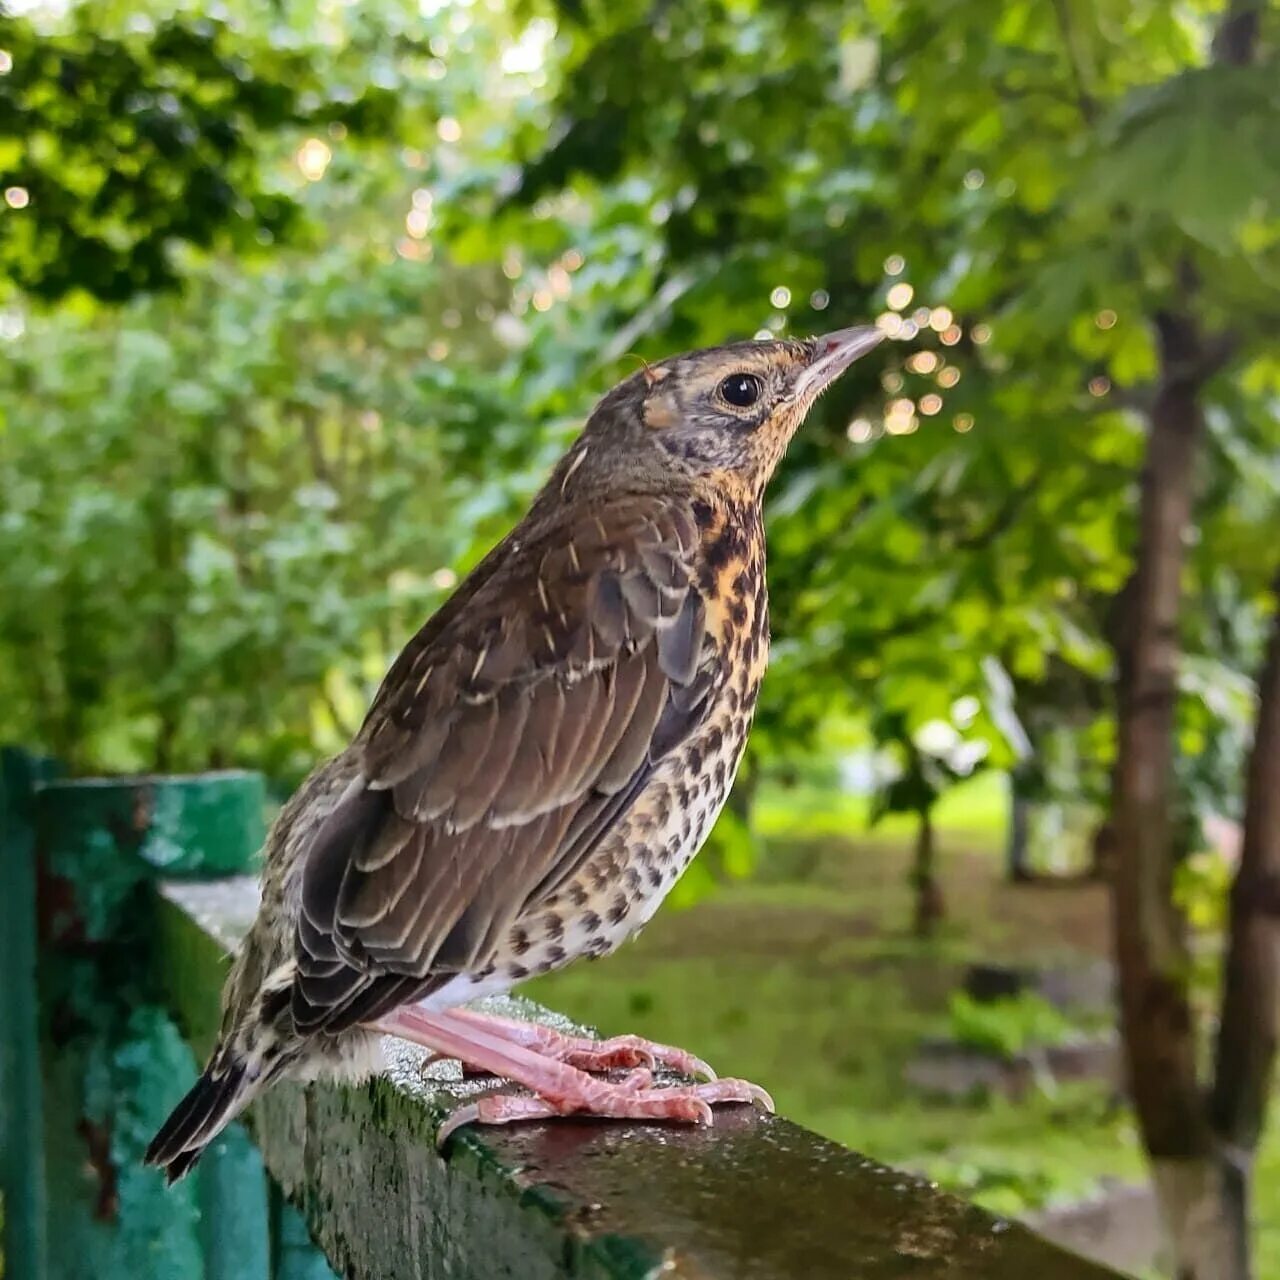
(632, 1051)
(633, 1098)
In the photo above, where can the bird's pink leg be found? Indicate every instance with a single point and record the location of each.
(561, 1089)
(584, 1053)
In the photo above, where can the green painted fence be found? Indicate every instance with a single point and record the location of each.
(93, 1059)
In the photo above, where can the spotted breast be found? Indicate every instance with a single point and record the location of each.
(618, 890)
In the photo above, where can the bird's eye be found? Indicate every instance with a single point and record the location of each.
(741, 390)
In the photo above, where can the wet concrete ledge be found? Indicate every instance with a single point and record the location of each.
(754, 1198)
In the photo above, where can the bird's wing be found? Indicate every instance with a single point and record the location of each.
(498, 754)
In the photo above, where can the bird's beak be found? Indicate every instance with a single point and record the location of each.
(833, 353)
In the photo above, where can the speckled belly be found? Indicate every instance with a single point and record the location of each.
(620, 888)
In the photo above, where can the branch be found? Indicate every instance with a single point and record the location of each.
(1084, 99)
(1180, 1133)
(1217, 351)
(1137, 399)
(1007, 92)
(1190, 358)
(315, 447)
(344, 727)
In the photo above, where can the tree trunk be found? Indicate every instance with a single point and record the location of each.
(1018, 849)
(1199, 1177)
(929, 908)
(1203, 1205)
(1248, 1027)
(1155, 1014)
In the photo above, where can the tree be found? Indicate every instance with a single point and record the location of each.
(1199, 1153)
(924, 773)
(121, 148)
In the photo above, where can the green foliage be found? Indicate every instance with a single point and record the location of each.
(1196, 149)
(220, 507)
(126, 146)
(1008, 1026)
(225, 510)
(1007, 1182)
(1201, 889)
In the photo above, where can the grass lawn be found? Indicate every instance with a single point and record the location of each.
(976, 811)
(805, 979)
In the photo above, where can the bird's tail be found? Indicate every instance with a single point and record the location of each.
(225, 1088)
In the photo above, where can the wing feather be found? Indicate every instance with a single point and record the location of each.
(490, 776)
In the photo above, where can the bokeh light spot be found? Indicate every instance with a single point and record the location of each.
(899, 296)
(313, 159)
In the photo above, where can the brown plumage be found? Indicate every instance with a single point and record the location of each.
(541, 762)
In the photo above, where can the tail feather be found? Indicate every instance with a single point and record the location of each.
(221, 1093)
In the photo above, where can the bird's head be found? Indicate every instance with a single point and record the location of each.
(725, 413)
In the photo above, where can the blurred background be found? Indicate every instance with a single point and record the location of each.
(299, 300)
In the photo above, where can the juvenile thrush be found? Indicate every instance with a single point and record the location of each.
(542, 761)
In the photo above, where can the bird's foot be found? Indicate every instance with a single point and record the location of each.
(559, 1087)
(627, 1100)
(583, 1052)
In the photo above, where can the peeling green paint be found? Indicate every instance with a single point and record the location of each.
(113, 1059)
(111, 1219)
(233, 1208)
(293, 1256)
(102, 838)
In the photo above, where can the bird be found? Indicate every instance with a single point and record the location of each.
(539, 765)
